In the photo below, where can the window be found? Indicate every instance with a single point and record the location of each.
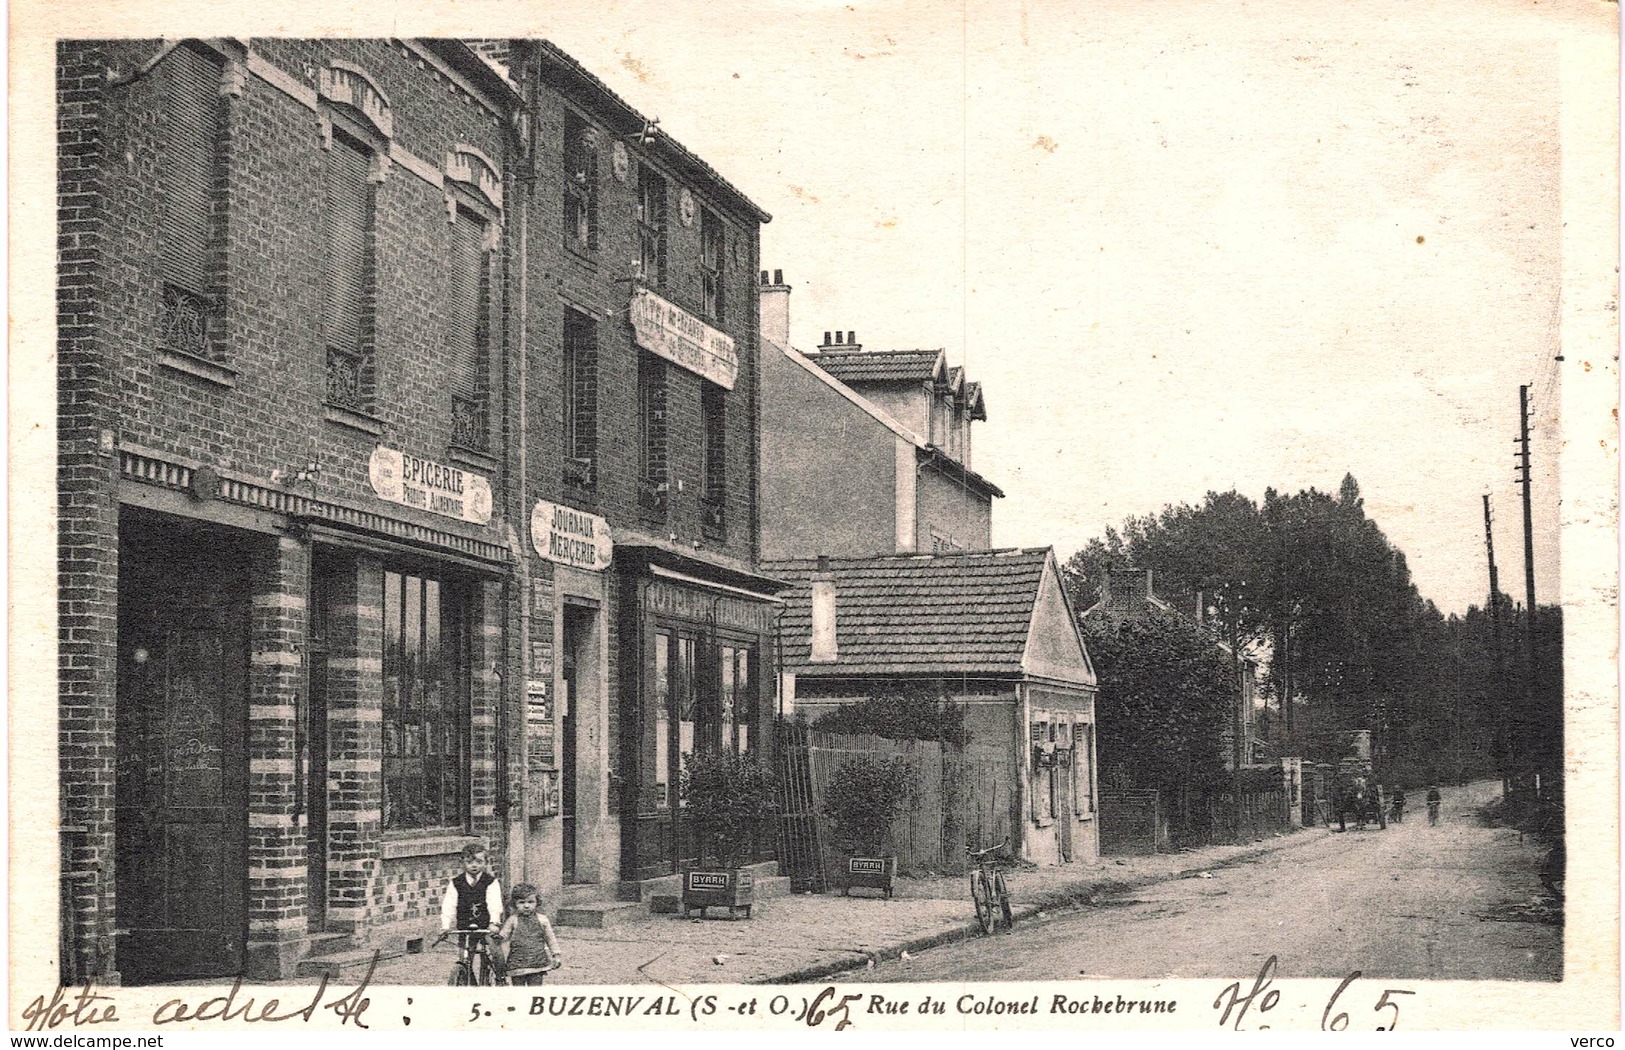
(580, 400)
(714, 448)
(711, 249)
(651, 228)
(580, 184)
(425, 712)
(737, 710)
(652, 390)
(191, 162)
(663, 698)
(469, 314)
(1083, 767)
(349, 212)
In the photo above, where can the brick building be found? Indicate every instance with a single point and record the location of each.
(641, 417)
(349, 399)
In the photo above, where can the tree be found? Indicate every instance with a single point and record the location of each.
(1164, 701)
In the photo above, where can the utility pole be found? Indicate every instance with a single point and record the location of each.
(1530, 704)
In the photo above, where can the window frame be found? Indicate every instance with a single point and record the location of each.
(453, 679)
(580, 177)
(713, 251)
(470, 424)
(653, 220)
(190, 301)
(580, 352)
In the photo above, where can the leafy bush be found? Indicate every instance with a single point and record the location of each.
(864, 796)
(730, 796)
(898, 716)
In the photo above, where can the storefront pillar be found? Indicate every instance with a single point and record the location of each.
(276, 689)
(355, 741)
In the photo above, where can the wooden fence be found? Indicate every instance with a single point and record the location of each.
(962, 798)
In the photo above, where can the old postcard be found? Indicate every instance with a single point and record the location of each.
(797, 515)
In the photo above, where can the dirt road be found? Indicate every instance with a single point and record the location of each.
(1454, 902)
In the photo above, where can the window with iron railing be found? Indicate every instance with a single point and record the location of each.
(580, 401)
(651, 228)
(190, 151)
(580, 184)
(469, 287)
(348, 277)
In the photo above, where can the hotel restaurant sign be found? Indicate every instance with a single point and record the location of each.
(569, 537)
(668, 330)
(451, 492)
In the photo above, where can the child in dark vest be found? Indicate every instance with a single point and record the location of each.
(532, 948)
(473, 899)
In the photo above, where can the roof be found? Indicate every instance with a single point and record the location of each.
(883, 366)
(944, 614)
(561, 65)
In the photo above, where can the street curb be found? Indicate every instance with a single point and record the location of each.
(1073, 898)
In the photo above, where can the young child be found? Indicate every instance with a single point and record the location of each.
(532, 948)
(473, 900)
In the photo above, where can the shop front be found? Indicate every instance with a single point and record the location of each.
(697, 674)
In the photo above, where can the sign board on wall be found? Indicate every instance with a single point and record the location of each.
(411, 481)
(666, 329)
(570, 537)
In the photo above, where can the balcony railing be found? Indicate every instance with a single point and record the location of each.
(344, 379)
(469, 427)
(186, 322)
(579, 473)
(653, 497)
(713, 519)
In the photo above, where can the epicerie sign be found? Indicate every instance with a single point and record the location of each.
(668, 330)
(425, 485)
(570, 537)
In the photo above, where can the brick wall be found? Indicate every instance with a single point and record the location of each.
(271, 417)
(600, 284)
(87, 511)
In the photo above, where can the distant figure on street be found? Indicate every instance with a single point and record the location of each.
(1396, 808)
(1433, 804)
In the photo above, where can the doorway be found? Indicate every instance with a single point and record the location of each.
(575, 689)
(181, 803)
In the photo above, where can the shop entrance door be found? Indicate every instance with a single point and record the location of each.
(181, 798)
(577, 632)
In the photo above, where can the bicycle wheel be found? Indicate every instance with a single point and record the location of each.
(1003, 892)
(981, 892)
(461, 977)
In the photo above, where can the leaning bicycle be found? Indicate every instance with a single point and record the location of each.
(475, 964)
(988, 888)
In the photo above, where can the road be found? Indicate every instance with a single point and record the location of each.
(1452, 902)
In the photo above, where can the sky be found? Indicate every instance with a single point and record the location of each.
(1184, 246)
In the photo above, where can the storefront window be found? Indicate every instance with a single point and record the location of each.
(425, 721)
(662, 719)
(683, 687)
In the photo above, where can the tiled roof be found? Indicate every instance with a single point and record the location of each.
(880, 366)
(963, 613)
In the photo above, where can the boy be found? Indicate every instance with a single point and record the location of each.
(473, 900)
(532, 948)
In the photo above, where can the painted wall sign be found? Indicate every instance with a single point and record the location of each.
(668, 330)
(453, 492)
(664, 599)
(570, 537)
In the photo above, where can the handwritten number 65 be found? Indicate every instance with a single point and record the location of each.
(1341, 1021)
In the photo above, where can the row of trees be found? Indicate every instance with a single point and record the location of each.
(1312, 587)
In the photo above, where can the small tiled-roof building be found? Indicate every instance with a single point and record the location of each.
(991, 631)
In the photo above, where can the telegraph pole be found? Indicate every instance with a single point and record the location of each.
(1528, 533)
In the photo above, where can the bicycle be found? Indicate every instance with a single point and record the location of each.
(473, 946)
(987, 888)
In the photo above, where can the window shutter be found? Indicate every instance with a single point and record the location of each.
(467, 285)
(190, 145)
(349, 196)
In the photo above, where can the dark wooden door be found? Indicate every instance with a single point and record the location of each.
(181, 802)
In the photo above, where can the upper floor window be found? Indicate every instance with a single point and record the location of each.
(580, 184)
(652, 228)
(652, 390)
(712, 246)
(714, 417)
(190, 169)
(346, 301)
(580, 400)
(469, 281)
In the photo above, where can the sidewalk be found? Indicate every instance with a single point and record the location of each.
(809, 937)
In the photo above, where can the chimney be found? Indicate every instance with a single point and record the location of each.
(774, 300)
(843, 341)
(824, 649)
